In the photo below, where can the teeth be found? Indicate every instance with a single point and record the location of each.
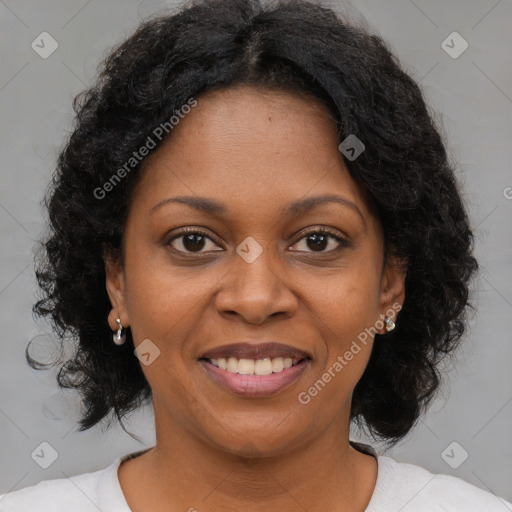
(265, 366)
(246, 366)
(232, 365)
(277, 364)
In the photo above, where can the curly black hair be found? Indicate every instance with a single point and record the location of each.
(288, 45)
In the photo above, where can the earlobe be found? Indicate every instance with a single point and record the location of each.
(115, 285)
(392, 291)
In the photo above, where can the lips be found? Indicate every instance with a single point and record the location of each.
(256, 386)
(247, 350)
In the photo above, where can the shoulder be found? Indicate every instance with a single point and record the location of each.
(411, 488)
(80, 493)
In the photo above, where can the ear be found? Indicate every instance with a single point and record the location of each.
(392, 290)
(116, 288)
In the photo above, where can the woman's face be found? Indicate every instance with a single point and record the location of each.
(251, 269)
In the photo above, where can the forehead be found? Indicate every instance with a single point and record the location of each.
(250, 146)
(257, 117)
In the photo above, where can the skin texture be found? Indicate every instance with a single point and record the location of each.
(255, 151)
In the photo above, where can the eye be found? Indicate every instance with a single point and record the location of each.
(320, 239)
(192, 240)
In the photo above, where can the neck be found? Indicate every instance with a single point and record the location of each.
(324, 473)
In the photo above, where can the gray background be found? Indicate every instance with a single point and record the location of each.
(472, 95)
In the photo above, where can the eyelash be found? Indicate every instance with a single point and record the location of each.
(322, 230)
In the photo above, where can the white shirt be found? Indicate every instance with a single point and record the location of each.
(400, 487)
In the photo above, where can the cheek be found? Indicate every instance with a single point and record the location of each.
(158, 299)
(351, 299)
(345, 324)
(348, 311)
(161, 307)
(166, 303)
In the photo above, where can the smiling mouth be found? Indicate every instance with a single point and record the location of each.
(263, 366)
(255, 378)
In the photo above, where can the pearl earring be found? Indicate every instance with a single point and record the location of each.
(119, 337)
(390, 325)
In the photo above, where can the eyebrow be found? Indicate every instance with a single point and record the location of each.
(299, 207)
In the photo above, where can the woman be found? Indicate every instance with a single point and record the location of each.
(256, 204)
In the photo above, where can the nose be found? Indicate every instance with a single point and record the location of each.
(256, 290)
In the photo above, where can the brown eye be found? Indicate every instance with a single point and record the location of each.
(192, 240)
(320, 240)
